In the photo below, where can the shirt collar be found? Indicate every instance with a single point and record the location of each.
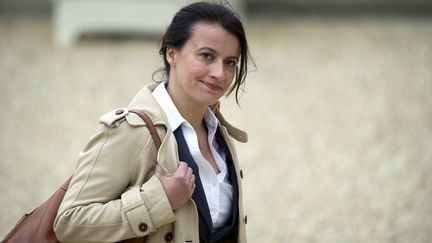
(175, 119)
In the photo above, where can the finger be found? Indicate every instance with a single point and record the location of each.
(192, 183)
(181, 163)
(182, 169)
(189, 174)
(159, 171)
(192, 187)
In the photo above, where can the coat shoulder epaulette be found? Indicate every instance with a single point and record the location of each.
(114, 117)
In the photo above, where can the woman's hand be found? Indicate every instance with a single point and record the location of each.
(178, 186)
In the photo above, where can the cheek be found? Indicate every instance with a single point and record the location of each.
(193, 68)
(189, 76)
(198, 69)
(230, 79)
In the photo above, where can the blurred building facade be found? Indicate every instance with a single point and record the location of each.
(46, 6)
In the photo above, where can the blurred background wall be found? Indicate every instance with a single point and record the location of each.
(28, 6)
(338, 111)
(45, 6)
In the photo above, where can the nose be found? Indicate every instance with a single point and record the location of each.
(217, 70)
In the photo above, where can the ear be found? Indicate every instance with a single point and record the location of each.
(171, 56)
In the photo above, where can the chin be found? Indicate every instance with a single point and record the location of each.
(209, 102)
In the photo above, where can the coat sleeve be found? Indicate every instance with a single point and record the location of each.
(114, 194)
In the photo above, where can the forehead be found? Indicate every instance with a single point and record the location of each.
(214, 36)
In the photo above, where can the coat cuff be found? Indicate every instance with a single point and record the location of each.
(147, 207)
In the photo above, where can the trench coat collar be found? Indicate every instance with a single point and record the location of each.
(144, 100)
(236, 133)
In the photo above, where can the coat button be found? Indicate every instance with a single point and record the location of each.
(245, 219)
(119, 112)
(169, 236)
(241, 174)
(143, 227)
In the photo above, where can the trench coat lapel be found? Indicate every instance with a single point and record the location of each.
(198, 195)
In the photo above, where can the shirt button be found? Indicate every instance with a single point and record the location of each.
(119, 112)
(142, 227)
(241, 174)
(245, 219)
(169, 236)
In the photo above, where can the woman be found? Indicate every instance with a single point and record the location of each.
(189, 190)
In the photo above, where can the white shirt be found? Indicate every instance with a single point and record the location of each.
(217, 188)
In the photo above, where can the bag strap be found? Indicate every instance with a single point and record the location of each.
(150, 126)
(153, 132)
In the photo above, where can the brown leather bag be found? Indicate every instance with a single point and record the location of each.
(37, 226)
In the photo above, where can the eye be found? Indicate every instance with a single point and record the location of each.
(231, 63)
(206, 55)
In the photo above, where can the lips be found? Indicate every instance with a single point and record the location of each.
(211, 86)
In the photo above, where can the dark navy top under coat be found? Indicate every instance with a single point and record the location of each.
(206, 232)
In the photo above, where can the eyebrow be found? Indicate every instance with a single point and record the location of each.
(214, 51)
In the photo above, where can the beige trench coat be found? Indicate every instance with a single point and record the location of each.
(114, 194)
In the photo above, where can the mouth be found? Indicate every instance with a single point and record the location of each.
(211, 86)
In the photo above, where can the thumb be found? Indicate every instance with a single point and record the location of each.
(159, 171)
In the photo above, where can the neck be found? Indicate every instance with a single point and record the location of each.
(192, 115)
(192, 112)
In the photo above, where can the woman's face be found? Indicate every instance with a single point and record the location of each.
(203, 70)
